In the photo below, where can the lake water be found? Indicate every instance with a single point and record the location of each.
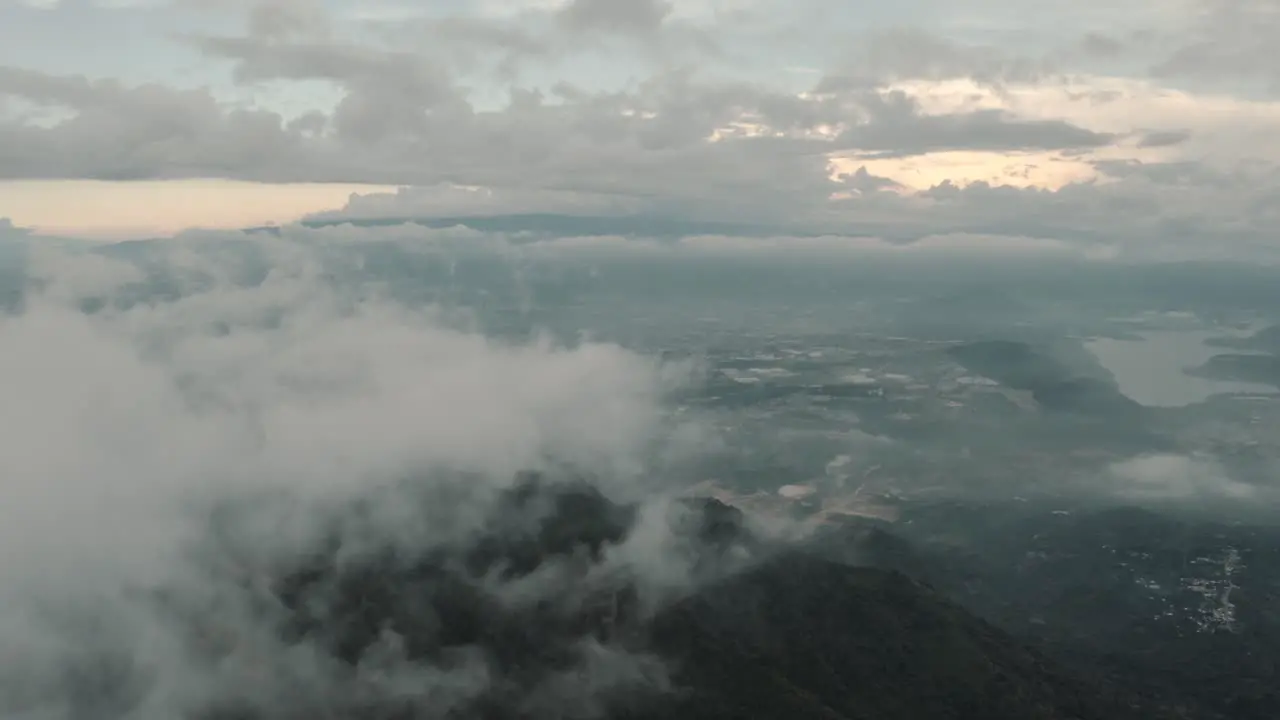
(1150, 371)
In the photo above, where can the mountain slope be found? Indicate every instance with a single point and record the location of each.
(800, 636)
(532, 615)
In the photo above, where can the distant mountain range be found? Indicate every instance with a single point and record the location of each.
(562, 225)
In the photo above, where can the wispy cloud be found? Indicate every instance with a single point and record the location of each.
(151, 441)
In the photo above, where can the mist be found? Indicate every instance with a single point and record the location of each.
(179, 429)
(258, 475)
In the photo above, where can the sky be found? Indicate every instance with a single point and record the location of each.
(1151, 128)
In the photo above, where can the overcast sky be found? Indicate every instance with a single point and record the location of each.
(1151, 125)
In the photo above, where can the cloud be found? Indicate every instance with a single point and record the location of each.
(1228, 40)
(899, 128)
(1164, 477)
(1164, 138)
(625, 16)
(679, 111)
(1133, 211)
(288, 19)
(1101, 44)
(133, 133)
(676, 144)
(913, 54)
(447, 200)
(395, 103)
(387, 95)
(560, 242)
(278, 386)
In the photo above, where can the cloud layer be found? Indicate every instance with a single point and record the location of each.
(184, 421)
(1142, 128)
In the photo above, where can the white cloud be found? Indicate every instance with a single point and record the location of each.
(123, 426)
(1165, 477)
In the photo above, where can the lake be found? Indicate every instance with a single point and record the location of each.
(1150, 371)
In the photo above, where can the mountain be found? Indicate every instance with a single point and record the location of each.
(805, 637)
(535, 606)
(1055, 386)
(1174, 607)
(512, 608)
(559, 225)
